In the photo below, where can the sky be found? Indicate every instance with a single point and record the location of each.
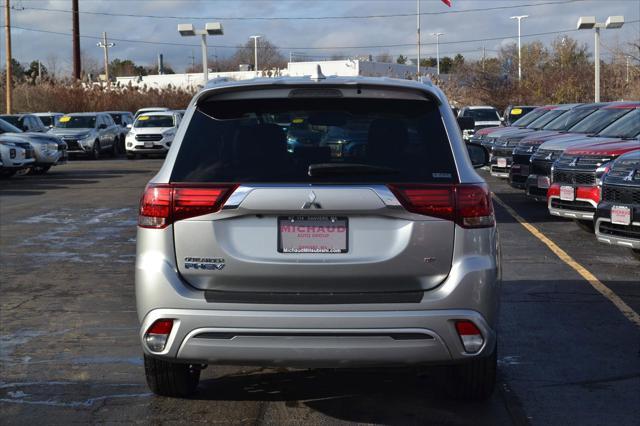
(463, 31)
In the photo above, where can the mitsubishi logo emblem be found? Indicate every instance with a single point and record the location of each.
(630, 176)
(549, 156)
(530, 149)
(311, 202)
(574, 162)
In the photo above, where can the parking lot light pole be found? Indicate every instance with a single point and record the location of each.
(255, 53)
(210, 28)
(437, 36)
(588, 23)
(519, 18)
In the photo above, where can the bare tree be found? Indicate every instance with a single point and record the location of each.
(52, 65)
(269, 56)
(384, 57)
(90, 65)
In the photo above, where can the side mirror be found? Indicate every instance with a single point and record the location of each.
(102, 126)
(129, 126)
(478, 154)
(466, 123)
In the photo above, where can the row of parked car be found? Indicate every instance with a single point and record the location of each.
(35, 142)
(582, 160)
(488, 116)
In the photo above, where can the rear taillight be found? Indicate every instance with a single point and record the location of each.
(469, 206)
(161, 205)
(470, 336)
(157, 335)
(474, 206)
(436, 201)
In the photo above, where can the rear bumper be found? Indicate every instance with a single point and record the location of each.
(320, 339)
(314, 335)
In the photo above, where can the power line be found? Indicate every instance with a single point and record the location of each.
(380, 46)
(303, 18)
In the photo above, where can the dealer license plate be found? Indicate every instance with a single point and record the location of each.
(148, 144)
(620, 215)
(313, 234)
(567, 193)
(502, 162)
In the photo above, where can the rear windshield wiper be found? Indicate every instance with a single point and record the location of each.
(341, 169)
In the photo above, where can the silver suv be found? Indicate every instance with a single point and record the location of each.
(264, 240)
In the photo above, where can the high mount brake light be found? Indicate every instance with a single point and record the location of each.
(162, 205)
(469, 205)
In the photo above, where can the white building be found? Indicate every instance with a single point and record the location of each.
(345, 68)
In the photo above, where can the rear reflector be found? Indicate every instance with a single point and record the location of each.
(469, 206)
(157, 335)
(161, 205)
(470, 336)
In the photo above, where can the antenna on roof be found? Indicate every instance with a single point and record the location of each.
(318, 75)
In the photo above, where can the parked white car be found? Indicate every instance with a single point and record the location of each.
(15, 155)
(148, 110)
(483, 116)
(152, 133)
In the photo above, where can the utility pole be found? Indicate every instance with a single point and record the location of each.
(105, 46)
(596, 55)
(193, 61)
(76, 39)
(9, 70)
(418, 26)
(484, 55)
(628, 68)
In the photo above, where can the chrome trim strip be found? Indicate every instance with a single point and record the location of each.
(239, 195)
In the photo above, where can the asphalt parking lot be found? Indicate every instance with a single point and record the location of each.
(68, 330)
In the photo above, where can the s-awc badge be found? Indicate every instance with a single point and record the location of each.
(204, 263)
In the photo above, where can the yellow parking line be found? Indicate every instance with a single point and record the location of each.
(626, 310)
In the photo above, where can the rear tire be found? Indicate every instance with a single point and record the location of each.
(474, 380)
(586, 225)
(171, 379)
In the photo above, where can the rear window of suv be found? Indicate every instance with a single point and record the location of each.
(321, 140)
